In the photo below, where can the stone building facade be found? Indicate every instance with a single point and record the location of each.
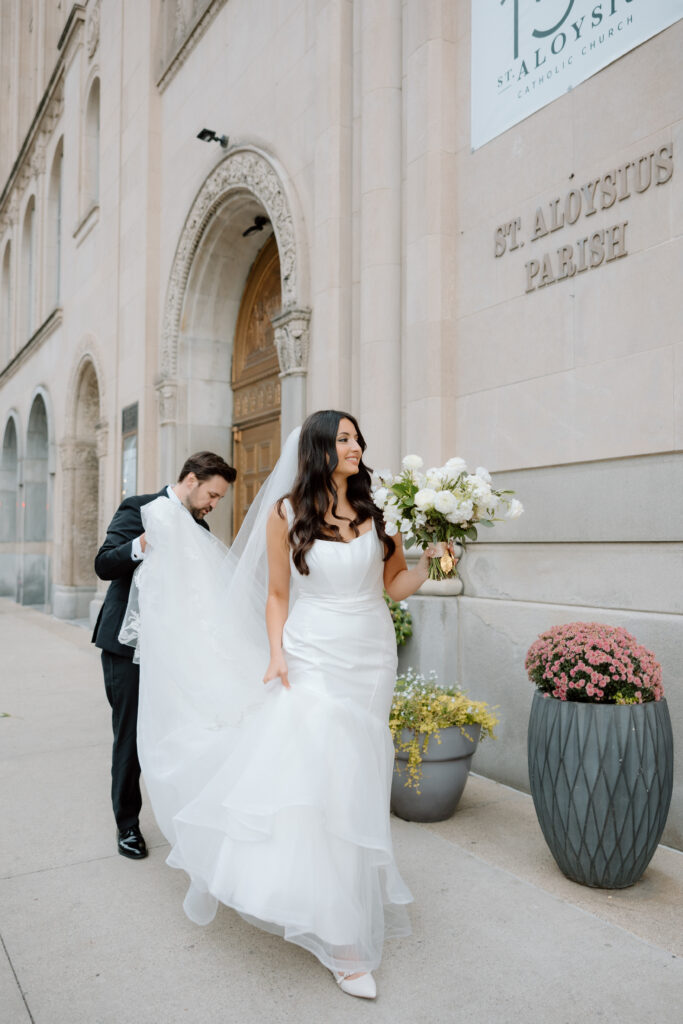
(339, 243)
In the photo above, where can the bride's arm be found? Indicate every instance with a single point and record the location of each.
(400, 581)
(277, 603)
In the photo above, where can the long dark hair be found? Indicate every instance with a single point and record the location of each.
(314, 486)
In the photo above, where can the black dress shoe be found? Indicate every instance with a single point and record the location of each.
(131, 843)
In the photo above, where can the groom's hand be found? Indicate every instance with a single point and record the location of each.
(143, 542)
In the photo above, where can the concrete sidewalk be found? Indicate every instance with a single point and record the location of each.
(89, 937)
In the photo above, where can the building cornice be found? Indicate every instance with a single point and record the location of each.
(189, 39)
(46, 329)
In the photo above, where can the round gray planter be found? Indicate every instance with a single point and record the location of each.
(445, 768)
(601, 777)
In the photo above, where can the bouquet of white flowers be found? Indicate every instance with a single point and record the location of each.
(445, 503)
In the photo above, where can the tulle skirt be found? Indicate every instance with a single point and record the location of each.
(278, 806)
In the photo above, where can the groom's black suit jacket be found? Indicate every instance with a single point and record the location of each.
(114, 562)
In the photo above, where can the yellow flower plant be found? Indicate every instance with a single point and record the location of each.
(422, 708)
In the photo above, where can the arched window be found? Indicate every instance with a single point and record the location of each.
(8, 483)
(36, 559)
(92, 147)
(54, 231)
(6, 308)
(28, 273)
(9, 479)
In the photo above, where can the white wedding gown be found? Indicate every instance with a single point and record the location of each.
(275, 801)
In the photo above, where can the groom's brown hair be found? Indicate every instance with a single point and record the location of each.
(204, 465)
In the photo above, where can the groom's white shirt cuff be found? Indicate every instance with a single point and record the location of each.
(137, 554)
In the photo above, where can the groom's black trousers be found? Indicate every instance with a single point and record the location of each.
(121, 682)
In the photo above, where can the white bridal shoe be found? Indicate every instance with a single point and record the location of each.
(363, 986)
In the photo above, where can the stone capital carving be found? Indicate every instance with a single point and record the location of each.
(167, 390)
(92, 27)
(292, 337)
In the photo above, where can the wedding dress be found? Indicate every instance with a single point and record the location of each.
(275, 801)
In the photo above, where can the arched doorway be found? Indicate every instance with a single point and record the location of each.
(9, 487)
(75, 588)
(255, 380)
(227, 361)
(243, 202)
(35, 575)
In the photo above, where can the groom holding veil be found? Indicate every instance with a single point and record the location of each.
(202, 482)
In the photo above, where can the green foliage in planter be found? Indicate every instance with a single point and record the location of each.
(423, 707)
(402, 619)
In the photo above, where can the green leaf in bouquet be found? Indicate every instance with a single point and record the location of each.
(486, 522)
(471, 533)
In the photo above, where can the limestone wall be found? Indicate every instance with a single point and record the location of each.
(424, 290)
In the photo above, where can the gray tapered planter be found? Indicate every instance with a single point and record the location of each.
(601, 777)
(445, 767)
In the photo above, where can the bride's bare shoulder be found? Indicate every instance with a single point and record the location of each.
(279, 513)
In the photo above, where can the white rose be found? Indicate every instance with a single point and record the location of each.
(412, 462)
(445, 502)
(391, 529)
(380, 497)
(435, 478)
(462, 513)
(424, 499)
(392, 512)
(479, 490)
(456, 466)
(483, 474)
(515, 509)
(491, 504)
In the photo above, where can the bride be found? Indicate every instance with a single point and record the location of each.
(275, 798)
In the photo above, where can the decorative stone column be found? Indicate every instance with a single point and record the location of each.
(71, 597)
(292, 339)
(167, 391)
(101, 449)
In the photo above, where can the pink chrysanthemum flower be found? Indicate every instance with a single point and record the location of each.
(591, 662)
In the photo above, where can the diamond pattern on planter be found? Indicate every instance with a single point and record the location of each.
(601, 778)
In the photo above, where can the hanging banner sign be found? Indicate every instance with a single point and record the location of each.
(526, 53)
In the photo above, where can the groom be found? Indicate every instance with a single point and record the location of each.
(202, 482)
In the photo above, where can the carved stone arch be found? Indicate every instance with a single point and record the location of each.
(246, 169)
(82, 451)
(86, 352)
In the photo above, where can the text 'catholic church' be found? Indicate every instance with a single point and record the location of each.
(460, 220)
